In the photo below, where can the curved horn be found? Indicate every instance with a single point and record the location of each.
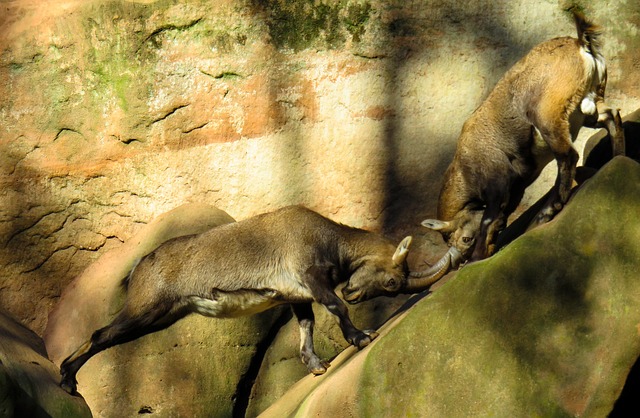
(401, 252)
(421, 280)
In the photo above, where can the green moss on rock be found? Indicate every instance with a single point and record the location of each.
(302, 24)
(528, 331)
(356, 18)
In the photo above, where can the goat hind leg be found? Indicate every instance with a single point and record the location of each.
(559, 140)
(610, 119)
(70, 366)
(123, 329)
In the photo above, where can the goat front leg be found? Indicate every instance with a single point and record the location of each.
(306, 320)
(352, 334)
(492, 223)
(320, 279)
(489, 231)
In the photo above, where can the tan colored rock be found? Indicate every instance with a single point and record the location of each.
(115, 112)
(92, 300)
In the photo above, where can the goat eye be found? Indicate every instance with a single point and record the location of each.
(467, 240)
(391, 283)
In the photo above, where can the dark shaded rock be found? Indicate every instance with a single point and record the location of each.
(28, 380)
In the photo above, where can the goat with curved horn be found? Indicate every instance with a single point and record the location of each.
(293, 255)
(531, 117)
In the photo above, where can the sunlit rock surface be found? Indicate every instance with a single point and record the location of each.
(115, 112)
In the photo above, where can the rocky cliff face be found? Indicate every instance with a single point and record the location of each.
(115, 112)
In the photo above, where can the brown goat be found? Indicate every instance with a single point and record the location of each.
(290, 256)
(532, 115)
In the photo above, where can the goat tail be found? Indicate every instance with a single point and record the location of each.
(588, 33)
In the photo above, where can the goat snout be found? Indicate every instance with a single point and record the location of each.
(351, 295)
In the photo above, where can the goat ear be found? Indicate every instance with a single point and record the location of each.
(437, 225)
(401, 252)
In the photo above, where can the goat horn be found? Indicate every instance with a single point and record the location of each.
(401, 252)
(421, 280)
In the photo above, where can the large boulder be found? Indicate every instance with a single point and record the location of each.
(94, 297)
(546, 327)
(28, 380)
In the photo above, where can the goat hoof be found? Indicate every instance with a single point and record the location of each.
(545, 215)
(318, 371)
(70, 387)
(319, 367)
(372, 334)
(542, 219)
(363, 340)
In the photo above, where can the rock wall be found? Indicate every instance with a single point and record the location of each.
(114, 112)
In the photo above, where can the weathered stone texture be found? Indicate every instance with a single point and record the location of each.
(115, 112)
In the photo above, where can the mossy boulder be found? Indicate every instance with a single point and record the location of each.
(28, 380)
(549, 326)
